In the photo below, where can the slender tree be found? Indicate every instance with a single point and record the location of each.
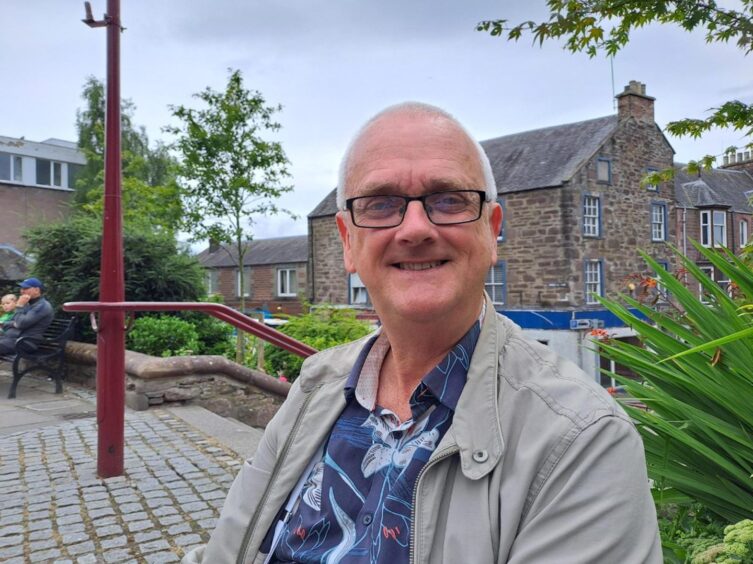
(229, 172)
(594, 26)
(149, 189)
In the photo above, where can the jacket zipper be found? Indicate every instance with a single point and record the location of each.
(444, 454)
(275, 472)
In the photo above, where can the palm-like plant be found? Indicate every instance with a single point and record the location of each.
(696, 366)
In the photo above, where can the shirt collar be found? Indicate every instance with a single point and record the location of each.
(445, 380)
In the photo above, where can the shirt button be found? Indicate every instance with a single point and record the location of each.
(366, 519)
(480, 456)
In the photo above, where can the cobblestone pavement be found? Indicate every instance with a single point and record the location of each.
(53, 508)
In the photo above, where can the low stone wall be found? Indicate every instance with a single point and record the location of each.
(214, 382)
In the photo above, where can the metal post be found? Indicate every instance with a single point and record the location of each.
(111, 335)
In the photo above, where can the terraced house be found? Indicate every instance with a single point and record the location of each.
(576, 211)
(36, 185)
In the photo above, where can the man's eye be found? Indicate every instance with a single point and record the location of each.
(381, 205)
(449, 202)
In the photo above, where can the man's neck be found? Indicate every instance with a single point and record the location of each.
(415, 349)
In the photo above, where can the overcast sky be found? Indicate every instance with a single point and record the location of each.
(334, 63)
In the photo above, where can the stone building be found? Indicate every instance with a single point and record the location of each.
(36, 185)
(575, 214)
(714, 209)
(275, 274)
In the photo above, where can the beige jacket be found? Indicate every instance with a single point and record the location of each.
(539, 465)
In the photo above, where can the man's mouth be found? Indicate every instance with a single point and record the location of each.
(419, 265)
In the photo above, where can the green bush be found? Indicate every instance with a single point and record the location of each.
(67, 259)
(165, 335)
(322, 327)
(696, 367)
(215, 336)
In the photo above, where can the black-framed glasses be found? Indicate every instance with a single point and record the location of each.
(442, 208)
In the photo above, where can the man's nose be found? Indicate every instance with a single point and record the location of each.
(416, 223)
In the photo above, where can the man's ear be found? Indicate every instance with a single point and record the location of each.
(495, 224)
(343, 229)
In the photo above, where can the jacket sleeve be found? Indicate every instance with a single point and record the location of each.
(595, 506)
(30, 315)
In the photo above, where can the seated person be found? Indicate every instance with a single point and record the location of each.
(8, 303)
(32, 317)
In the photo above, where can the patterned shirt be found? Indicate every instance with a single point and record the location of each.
(356, 503)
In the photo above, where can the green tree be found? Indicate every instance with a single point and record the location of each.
(594, 26)
(149, 189)
(228, 171)
(67, 257)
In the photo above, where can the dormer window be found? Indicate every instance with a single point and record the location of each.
(11, 167)
(713, 228)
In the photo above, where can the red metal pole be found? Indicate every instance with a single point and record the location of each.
(111, 335)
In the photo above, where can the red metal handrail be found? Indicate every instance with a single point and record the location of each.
(220, 311)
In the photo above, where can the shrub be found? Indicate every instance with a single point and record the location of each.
(68, 260)
(698, 424)
(165, 335)
(322, 327)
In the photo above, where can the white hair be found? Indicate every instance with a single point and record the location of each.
(414, 108)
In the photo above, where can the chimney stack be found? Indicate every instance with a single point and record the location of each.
(633, 103)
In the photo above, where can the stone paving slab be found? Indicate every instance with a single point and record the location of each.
(53, 508)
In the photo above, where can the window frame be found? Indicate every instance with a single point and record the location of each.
(212, 281)
(652, 187)
(15, 168)
(597, 217)
(288, 272)
(355, 283)
(599, 263)
(247, 279)
(608, 162)
(497, 288)
(662, 207)
(709, 271)
(743, 232)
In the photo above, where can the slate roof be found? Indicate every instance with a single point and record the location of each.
(540, 158)
(548, 157)
(717, 187)
(278, 250)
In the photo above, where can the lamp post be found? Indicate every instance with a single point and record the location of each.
(111, 331)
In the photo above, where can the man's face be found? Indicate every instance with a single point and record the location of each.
(418, 270)
(31, 292)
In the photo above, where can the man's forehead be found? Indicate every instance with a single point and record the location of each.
(395, 139)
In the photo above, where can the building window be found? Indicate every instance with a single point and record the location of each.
(708, 271)
(713, 228)
(661, 289)
(743, 233)
(246, 282)
(594, 281)
(11, 167)
(359, 295)
(495, 284)
(287, 282)
(213, 281)
(73, 172)
(658, 222)
(49, 173)
(591, 216)
(652, 187)
(604, 171)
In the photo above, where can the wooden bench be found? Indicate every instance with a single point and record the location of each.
(47, 355)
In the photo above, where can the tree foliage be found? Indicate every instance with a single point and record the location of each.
(594, 26)
(229, 172)
(322, 327)
(149, 188)
(67, 258)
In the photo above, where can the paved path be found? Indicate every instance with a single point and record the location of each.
(179, 463)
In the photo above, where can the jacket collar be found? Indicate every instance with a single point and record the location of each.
(476, 430)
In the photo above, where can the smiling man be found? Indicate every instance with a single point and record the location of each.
(446, 436)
